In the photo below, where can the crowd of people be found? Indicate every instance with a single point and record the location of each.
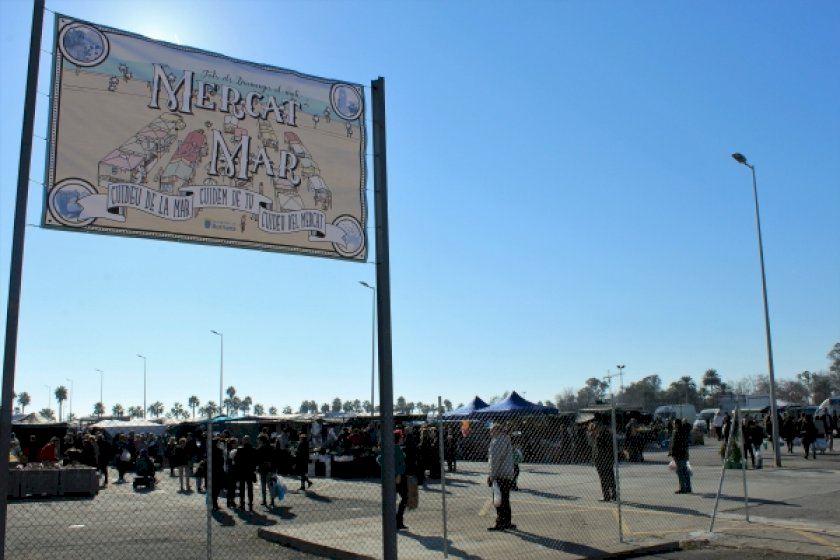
(236, 463)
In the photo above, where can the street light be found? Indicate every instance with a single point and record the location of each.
(101, 383)
(71, 395)
(740, 158)
(621, 378)
(221, 365)
(144, 383)
(372, 342)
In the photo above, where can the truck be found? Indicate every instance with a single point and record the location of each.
(668, 412)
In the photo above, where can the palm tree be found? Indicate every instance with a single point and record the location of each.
(227, 404)
(117, 410)
(272, 410)
(155, 409)
(60, 396)
(231, 392)
(212, 408)
(135, 411)
(193, 402)
(447, 404)
(23, 400)
(99, 409)
(259, 409)
(245, 405)
(177, 410)
(47, 413)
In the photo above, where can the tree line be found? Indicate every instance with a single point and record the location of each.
(647, 393)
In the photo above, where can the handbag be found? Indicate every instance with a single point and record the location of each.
(497, 494)
(672, 465)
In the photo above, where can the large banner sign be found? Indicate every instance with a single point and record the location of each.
(157, 140)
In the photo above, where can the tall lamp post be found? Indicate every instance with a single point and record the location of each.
(221, 365)
(740, 158)
(71, 396)
(101, 383)
(372, 343)
(144, 383)
(621, 378)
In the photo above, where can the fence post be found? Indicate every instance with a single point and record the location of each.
(442, 476)
(726, 448)
(742, 440)
(616, 470)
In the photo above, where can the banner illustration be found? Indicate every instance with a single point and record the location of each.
(157, 140)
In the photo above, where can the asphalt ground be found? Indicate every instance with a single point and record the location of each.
(556, 509)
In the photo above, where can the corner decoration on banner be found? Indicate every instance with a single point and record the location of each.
(157, 140)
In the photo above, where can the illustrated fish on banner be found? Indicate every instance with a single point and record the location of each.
(151, 139)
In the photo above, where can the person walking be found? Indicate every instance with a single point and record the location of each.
(217, 473)
(230, 472)
(809, 435)
(789, 432)
(181, 461)
(717, 422)
(302, 462)
(678, 451)
(603, 458)
(246, 466)
(450, 451)
(104, 458)
(400, 477)
(265, 465)
(500, 459)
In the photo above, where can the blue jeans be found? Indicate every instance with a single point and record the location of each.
(683, 476)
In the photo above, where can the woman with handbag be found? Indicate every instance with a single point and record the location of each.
(123, 457)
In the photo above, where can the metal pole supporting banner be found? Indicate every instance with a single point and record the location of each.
(16, 262)
(209, 486)
(383, 297)
(442, 475)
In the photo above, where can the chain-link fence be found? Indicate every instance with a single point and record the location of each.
(480, 485)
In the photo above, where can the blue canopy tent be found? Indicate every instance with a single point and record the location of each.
(466, 410)
(514, 405)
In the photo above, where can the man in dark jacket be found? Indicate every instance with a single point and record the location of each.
(217, 473)
(809, 435)
(679, 453)
(603, 458)
(246, 465)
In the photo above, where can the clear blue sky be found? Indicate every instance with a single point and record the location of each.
(562, 200)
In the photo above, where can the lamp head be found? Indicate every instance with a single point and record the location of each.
(740, 158)
(365, 284)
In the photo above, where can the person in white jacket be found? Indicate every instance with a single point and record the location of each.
(500, 458)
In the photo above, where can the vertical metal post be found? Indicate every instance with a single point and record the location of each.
(773, 414)
(742, 441)
(616, 470)
(16, 263)
(209, 485)
(441, 443)
(383, 297)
